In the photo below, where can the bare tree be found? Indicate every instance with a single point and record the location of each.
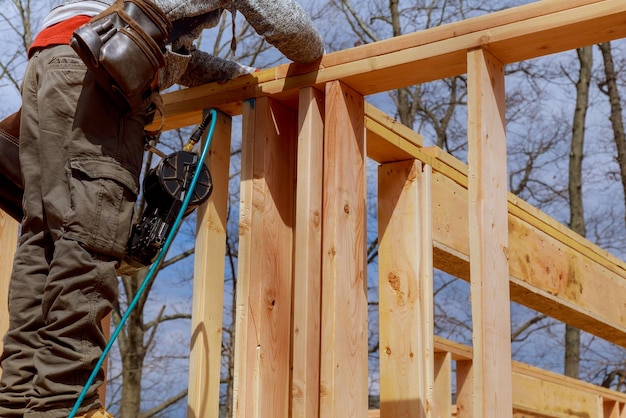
(16, 38)
(609, 86)
(577, 213)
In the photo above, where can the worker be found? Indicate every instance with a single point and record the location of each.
(81, 157)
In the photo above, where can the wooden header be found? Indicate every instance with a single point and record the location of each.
(512, 35)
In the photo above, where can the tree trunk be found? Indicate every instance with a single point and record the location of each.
(617, 122)
(133, 351)
(577, 213)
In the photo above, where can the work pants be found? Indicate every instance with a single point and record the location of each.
(80, 160)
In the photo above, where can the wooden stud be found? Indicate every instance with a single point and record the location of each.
(443, 386)
(263, 341)
(308, 256)
(8, 244)
(464, 389)
(488, 236)
(208, 285)
(344, 354)
(405, 290)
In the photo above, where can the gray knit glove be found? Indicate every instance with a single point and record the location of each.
(205, 68)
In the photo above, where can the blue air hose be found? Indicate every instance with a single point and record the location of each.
(155, 266)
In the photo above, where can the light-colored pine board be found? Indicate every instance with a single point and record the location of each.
(505, 17)
(385, 146)
(450, 226)
(464, 389)
(488, 236)
(389, 140)
(442, 407)
(513, 35)
(405, 290)
(544, 271)
(540, 220)
(243, 372)
(308, 256)
(456, 170)
(208, 282)
(539, 265)
(537, 392)
(265, 261)
(344, 356)
(459, 352)
(611, 410)
(8, 243)
(440, 52)
(551, 399)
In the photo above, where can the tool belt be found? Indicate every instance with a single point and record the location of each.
(11, 188)
(123, 48)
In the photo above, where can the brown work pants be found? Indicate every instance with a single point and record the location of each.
(80, 160)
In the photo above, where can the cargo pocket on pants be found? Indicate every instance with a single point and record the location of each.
(103, 196)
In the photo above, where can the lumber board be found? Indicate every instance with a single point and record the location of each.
(442, 405)
(455, 170)
(387, 139)
(344, 354)
(488, 237)
(8, 244)
(566, 279)
(308, 256)
(208, 281)
(263, 358)
(517, 34)
(405, 290)
(541, 392)
(243, 368)
(614, 409)
(599, 272)
(567, 282)
(464, 388)
(549, 399)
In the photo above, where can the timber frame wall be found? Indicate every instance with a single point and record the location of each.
(301, 343)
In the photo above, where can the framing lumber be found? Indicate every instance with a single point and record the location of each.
(517, 34)
(8, 243)
(264, 285)
(567, 285)
(488, 238)
(559, 274)
(405, 290)
(208, 281)
(307, 279)
(541, 393)
(442, 405)
(344, 354)
(537, 393)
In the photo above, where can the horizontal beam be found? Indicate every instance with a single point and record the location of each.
(553, 270)
(542, 392)
(512, 35)
(538, 392)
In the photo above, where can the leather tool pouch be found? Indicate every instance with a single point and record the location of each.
(123, 48)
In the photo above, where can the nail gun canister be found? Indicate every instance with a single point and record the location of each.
(165, 188)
